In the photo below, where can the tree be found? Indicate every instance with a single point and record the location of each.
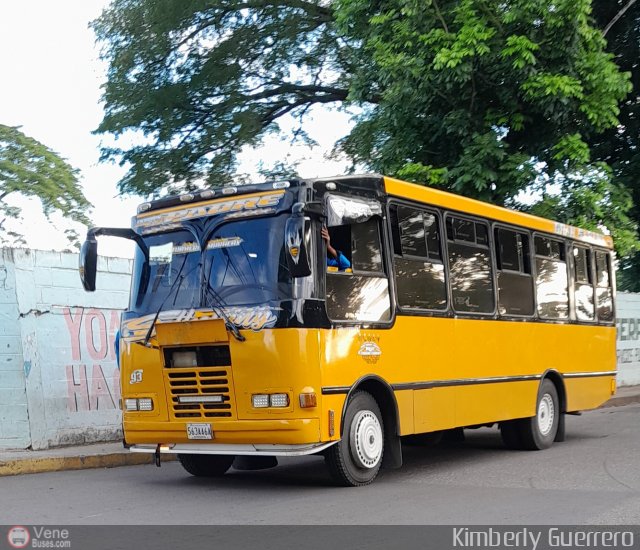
(620, 146)
(30, 169)
(484, 98)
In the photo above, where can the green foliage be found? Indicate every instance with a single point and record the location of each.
(620, 146)
(30, 169)
(488, 99)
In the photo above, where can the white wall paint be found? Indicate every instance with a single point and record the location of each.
(64, 337)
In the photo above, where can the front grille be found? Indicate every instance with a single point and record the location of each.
(200, 382)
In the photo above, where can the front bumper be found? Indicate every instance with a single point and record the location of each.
(228, 449)
(292, 432)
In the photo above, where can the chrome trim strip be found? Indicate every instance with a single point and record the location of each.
(463, 382)
(260, 449)
(426, 385)
(590, 374)
(208, 398)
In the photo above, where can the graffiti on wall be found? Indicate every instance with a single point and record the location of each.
(629, 333)
(93, 377)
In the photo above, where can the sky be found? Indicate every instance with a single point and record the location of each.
(50, 86)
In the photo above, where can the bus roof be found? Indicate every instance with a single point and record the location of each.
(435, 197)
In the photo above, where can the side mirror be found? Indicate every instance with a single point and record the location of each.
(88, 264)
(297, 239)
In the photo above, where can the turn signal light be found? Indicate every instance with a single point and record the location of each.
(308, 400)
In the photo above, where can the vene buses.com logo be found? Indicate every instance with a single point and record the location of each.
(18, 537)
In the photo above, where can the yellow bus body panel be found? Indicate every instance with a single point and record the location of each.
(455, 358)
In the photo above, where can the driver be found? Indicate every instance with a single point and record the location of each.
(335, 258)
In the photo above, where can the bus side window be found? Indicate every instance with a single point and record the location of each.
(515, 281)
(417, 260)
(551, 279)
(604, 291)
(470, 266)
(583, 284)
(364, 294)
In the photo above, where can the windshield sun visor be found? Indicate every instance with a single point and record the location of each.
(342, 210)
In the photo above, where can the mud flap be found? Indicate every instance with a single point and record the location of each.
(560, 433)
(392, 458)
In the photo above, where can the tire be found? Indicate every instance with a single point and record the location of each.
(206, 465)
(539, 431)
(356, 459)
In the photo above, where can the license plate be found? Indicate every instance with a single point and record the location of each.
(199, 431)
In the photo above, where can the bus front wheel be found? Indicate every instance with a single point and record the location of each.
(206, 465)
(356, 459)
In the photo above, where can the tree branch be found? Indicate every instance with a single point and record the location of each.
(617, 16)
(439, 15)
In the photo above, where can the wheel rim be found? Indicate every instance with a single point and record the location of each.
(366, 439)
(546, 414)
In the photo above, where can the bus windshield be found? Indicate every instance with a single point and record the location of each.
(242, 263)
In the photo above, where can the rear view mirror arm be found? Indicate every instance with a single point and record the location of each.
(123, 232)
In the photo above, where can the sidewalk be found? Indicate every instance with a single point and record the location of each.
(112, 455)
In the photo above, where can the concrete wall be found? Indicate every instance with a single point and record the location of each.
(628, 323)
(14, 416)
(59, 381)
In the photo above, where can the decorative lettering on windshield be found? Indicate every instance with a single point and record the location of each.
(253, 318)
(256, 204)
(224, 242)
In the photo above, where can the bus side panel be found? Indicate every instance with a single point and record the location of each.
(485, 350)
(488, 349)
(434, 409)
(405, 401)
(588, 393)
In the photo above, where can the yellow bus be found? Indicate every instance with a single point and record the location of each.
(252, 331)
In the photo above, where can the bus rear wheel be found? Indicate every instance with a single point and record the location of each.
(356, 459)
(539, 431)
(206, 465)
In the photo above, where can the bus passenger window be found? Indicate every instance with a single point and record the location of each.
(470, 266)
(515, 282)
(583, 286)
(362, 295)
(551, 279)
(417, 261)
(604, 292)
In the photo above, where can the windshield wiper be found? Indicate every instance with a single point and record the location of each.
(175, 286)
(212, 299)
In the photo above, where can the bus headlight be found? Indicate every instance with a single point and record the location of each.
(130, 404)
(260, 400)
(140, 404)
(279, 400)
(145, 404)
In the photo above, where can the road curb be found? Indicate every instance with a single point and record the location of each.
(37, 465)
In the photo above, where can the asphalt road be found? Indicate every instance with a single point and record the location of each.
(592, 478)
